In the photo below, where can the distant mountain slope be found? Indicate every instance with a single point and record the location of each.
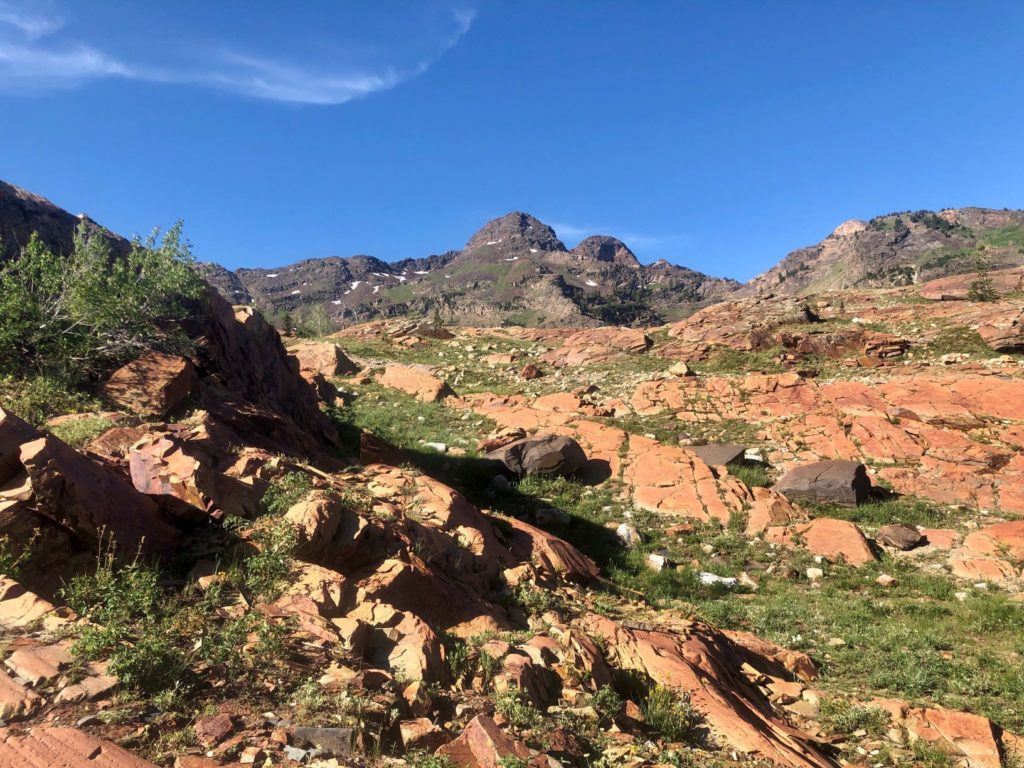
(22, 213)
(514, 270)
(898, 249)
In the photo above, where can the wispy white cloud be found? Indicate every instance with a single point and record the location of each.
(651, 242)
(637, 241)
(570, 231)
(30, 65)
(29, 62)
(31, 23)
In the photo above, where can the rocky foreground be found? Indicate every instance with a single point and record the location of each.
(780, 532)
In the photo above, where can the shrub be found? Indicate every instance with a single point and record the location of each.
(515, 705)
(843, 717)
(37, 398)
(160, 641)
(286, 491)
(607, 702)
(265, 574)
(76, 317)
(14, 555)
(672, 715)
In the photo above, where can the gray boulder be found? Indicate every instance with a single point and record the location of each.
(718, 453)
(899, 536)
(836, 482)
(546, 455)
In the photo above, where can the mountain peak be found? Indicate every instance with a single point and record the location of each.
(606, 249)
(516, 228)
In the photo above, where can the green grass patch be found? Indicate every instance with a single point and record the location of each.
(959, 340)
(894, 509)
(39, 398)
(751, 474)
(78, 432)
(406, 422)
(915, 640)
(727, 360)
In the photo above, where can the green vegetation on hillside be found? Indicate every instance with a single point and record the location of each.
(67, 320)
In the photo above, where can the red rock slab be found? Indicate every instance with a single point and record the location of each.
(601, 443)
(64, 748)
(81, 494)
(1011, 490)
(795, 662)
(1001, 539)
(666, 478)
(15, 701)
(957, 287)
(769, 509)
(704, 663)
(882, 441)
(421, 733)
(967, 734)
(597, 345)
(417, 381)
(20, 609)
(514, 412)
(549, 553)
(87, 689)
(828, 537)
(564, 402)
(167, 464)
(970, 568)
(321, 357)
(941, 538)
(40, 664)
(1004, 331)
(153, 385)
(483, 745)
(989, 396)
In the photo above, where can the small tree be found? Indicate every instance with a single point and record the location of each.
(77, 317)
(315, 322)
(981, 288)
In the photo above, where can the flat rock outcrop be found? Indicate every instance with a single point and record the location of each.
(55, 484)
(416, 381)
(597, 345)
(62, 747)
(152, 385)
(321, 357)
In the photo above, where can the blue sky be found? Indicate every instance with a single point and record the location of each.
(718, 135)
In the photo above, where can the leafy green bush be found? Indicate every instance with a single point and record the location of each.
(515, 705)
(265, 574)
(286, 491)
(37, 398)
(672, 715)
(15, 554)
(607, 702)
(420, 759)
(75, 317)
(160, 641)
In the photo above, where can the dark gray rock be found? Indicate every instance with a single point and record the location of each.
(899, 536)
(547, 455)
(340, 742)
(720, 453)
(836, 481)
